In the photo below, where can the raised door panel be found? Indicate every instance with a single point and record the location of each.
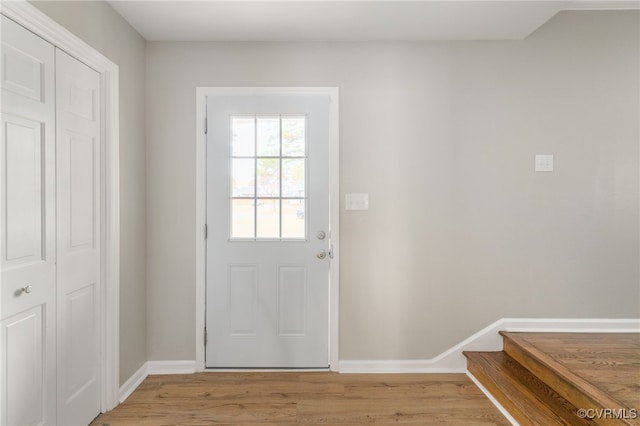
(243, 300)
(80, 339)
(292, 301)
(26, 72)
(22, 73)
(22, 193)
(23, 369)
(77, 183)
(80, 99)
(82, 185)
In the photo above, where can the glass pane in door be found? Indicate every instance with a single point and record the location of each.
(268, 177)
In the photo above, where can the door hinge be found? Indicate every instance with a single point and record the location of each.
(205, 336)
(206, 125)
(206, 231)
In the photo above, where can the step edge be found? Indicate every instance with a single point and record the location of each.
(591, 392)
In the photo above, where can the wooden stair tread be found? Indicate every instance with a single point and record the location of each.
(524, 396)
(574, 388)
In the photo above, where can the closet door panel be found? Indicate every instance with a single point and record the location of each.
(78, 242)
(27, 228)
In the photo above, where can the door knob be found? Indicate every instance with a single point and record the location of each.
(321, 254)
(27, 289)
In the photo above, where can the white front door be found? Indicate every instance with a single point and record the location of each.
(268, 245)
(78, 240)
(27, 216)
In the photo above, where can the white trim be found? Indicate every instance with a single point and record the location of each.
(133, 382)
(493, 400)
(34, 20)
(394, 367)
(603, 5)
(150, 368)
(334, 214)
(201, 218)
(488, 339)
(334, 232)
(171, 367)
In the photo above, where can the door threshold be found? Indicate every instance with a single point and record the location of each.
(265, 370)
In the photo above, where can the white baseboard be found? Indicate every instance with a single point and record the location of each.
(488, 339)
(171, 367)
(151, 368)
(133, 382)
(395, 366)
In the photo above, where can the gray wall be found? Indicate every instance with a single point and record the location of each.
(442, 135)
(101, 27)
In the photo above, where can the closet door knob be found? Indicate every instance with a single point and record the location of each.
(27, 289)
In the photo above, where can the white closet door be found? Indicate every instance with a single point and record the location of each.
(78, 240)
(27, 224)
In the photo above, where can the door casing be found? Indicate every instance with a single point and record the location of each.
(34, 20)
(201, 192)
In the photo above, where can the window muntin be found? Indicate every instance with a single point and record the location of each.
(268, 177)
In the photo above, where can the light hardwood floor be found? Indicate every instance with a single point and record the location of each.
(305, 398)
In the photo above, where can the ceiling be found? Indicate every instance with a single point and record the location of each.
(345, 20)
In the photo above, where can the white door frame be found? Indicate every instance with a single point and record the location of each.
(201, 197)
(37, 22)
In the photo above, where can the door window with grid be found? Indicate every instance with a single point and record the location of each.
(268, 178)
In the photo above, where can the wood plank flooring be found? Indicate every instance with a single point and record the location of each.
(305, 398)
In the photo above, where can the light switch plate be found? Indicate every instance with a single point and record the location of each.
(544, 163)
(356, 202)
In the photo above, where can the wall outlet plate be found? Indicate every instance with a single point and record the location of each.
(544, 163)
(356, 201)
